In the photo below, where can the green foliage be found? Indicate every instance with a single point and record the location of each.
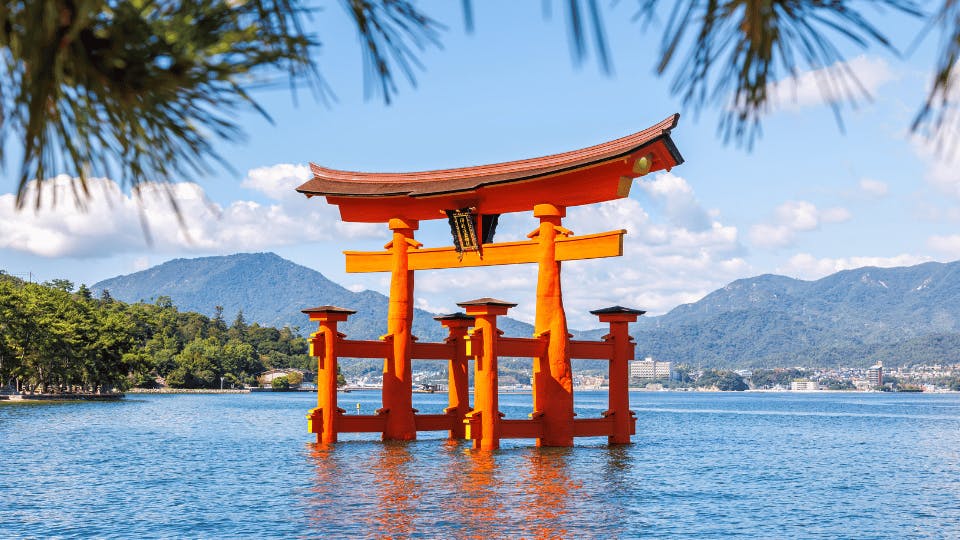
(726, 381)
(52, 340)
(92, 86)
(768, 378)
(280, 383)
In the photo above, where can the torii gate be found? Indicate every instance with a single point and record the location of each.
(472, 198)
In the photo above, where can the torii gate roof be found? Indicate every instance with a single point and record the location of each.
(589, 175)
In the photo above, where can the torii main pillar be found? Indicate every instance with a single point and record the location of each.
(397, 369)
(552, 375)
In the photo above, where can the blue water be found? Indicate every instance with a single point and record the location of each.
(702, 465)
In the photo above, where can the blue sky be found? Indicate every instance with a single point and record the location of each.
(806, 201)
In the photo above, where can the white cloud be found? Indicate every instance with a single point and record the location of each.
(806, 266)
(677, 199)
(948, 245)
(792, 217)
(817, 87)
(278, 181)
(771, 236)
(141, 263)
(798, 215)
(424, 304)
(942, 158)
(110, 223)
(873, 188)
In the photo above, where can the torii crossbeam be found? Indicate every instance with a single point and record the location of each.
(472, 199)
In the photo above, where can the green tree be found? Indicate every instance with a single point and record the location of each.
(726, 381)
(280, 383)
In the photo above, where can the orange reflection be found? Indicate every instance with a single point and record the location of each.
(401, 489)
(549, 487)
(398, 492)
(481, 504)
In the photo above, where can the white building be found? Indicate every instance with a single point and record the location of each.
(803, 385)
(650, 369)
(875, 374)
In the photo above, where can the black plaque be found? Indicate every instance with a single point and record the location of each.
(464, 229)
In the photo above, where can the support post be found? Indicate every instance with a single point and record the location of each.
(397, 375)
(552, 376)
(323, 345)
(486, 402)
(458, 385)
(618, 407)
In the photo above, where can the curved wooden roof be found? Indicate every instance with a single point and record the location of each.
(562, 174)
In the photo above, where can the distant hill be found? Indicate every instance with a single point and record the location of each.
(898, 315)
(271, 291)
(854, 317)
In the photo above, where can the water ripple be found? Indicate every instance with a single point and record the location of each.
(701, 466)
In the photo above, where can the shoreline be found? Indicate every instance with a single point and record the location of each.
(112, 396)
(187, 391)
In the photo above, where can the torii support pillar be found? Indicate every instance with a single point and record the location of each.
(458, 383)
(323, 345)
(483, 347)
(624, 421)
(552, 376)
(397, 374)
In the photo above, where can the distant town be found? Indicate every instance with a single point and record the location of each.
(653, 375)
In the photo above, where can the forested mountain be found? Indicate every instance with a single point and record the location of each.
(854, 317)
(898, 315)
(271, 291)
(53, 338)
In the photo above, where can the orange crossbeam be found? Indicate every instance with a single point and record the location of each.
(433, 351)
(593, 427)
(361, 423)
(591, 350)
(521, 347)
(363, 349)
(588, 246)
(435, 422)
(521, 429)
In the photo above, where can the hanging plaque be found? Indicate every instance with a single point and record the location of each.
(464, 230)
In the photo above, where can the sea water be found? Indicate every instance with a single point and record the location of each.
(702, 465)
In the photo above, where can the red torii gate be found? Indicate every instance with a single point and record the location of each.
(472, 198)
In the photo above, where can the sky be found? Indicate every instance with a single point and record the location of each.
(808, 199)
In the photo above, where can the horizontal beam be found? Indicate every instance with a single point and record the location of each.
(588, 246)
(361, 423)
(591, 350)
(593, 427)
(521, 347)
(435, 422)
(433, 351)
(348, 348)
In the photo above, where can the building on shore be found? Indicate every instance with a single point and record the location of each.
(651, 369)
(804, 385)
(875, 375)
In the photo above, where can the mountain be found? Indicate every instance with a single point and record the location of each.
(898, 315)
(855, 317)
(271, 291)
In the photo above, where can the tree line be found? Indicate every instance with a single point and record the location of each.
(57, 339)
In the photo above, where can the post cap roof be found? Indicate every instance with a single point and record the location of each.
(616, 310)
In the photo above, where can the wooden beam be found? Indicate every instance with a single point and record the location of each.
(588, 246)
(591, 350)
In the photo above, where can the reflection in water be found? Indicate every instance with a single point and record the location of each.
(549, 488)
(397, 491)
(442, 488)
